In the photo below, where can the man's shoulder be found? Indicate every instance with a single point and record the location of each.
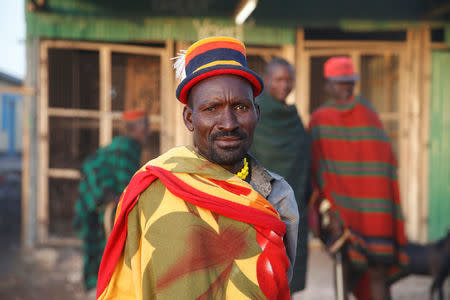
(151, 198)
(323, 112)
(279, 183)
(275, 184)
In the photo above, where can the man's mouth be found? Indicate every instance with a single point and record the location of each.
(228, 141)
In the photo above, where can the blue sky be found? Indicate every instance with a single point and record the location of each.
(12, 37)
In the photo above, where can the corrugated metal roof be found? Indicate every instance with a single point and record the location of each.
(10, 79)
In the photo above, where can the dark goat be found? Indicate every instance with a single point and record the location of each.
(431, 259)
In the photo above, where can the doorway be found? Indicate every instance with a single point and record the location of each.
(84, 89)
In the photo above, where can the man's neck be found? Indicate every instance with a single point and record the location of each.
(275, 99)
(343, 101)
(235, 168)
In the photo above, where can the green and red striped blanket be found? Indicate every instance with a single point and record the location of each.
(354, 166)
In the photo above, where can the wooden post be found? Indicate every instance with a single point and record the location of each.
(28, 213)
(356, 58)
(182, 135)
(105, 97)
(424, 133)
(387, 82)
(415, 189)
(167, 124)
(288, 53)
(43, 148)
(25, 171)
(302, 70)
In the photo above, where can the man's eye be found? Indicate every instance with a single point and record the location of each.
(211, 108)
(241, 107)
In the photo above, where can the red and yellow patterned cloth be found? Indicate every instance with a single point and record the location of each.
(187, 228)
(355, 168)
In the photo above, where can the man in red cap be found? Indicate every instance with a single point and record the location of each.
(105, 174)
(355, 176)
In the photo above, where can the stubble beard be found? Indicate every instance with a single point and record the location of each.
(226, 156)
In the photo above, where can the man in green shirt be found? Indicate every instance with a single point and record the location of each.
(105, 174)
(282, 145)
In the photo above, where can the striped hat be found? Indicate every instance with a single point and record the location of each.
(214, 56)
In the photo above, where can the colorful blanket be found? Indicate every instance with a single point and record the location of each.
(104, 173)
(187, 228)
(282, 145)
(355, 168)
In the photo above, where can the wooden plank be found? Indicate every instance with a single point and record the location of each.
(43, 147)
(63, 44)
(265, 51)
(302, 77)
(346, 51)
(424, 134)
(356, 58)
(105, 97)
(439, 46)
(64, 173)
(29, 153)
(182, 135)
(22, 90)
(387, 81)
(404, 85)
(412, 197)
(73, 113)
(25, 211)
(323, 44)
(167, 139)
(288, 53)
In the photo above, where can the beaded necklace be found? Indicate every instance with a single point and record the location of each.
(244, 171)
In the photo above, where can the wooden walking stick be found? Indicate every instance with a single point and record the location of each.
(339, 277)
(336, 249)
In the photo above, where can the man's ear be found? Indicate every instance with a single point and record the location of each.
(258, 111)
(187, 117)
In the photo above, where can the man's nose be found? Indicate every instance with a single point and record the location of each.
(228, 120)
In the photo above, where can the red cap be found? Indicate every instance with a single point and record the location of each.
(133, 115)
(340, 68)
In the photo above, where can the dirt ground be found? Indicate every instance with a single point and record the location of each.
(46, 273)
(55, 273)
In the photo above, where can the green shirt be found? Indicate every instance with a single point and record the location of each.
(282, 146)
(105, 172)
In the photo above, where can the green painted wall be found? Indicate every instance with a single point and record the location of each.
(439, 163)
(147, 29)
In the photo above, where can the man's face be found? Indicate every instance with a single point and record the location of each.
(279, 81)
(142, 131)
(340, 91)
(223, 116)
